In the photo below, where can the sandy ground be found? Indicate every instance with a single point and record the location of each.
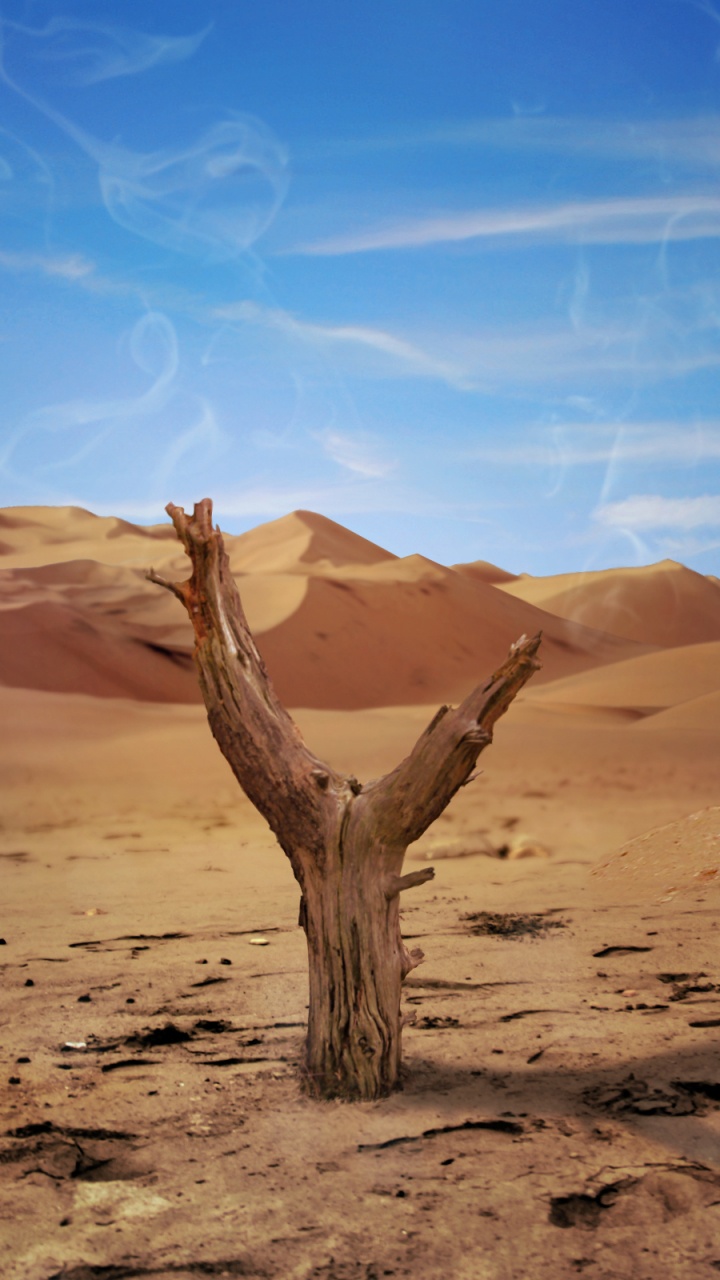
(561, 1108)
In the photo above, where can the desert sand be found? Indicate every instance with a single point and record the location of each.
(561, 1108)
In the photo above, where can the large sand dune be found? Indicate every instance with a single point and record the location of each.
(302, 542)
(646, 684)
(693, 713)
(339, 621)
(484, 571)
(661, 604)
(44, 535)
(66, 648)
(411, 631)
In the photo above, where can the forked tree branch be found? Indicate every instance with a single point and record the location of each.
(284, 780)
(405, 802)
(300, 796)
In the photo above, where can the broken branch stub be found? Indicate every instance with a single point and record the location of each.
(346, 843)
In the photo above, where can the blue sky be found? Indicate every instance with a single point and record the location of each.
(447, 272)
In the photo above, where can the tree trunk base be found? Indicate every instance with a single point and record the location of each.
(356, 967)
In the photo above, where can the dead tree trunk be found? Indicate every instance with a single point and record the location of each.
(345, 842)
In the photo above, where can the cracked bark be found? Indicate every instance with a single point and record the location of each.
(345, 842)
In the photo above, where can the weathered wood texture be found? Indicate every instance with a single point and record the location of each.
(346, 843)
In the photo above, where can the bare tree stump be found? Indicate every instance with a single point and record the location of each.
(346, 842)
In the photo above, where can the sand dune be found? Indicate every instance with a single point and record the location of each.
(52, 646)
(302, 542)
(647, 684)
(45, 535)
(695, 713)
(340, 621)
(412, 632)
(146, 611)
(484, 571)
(661, 604)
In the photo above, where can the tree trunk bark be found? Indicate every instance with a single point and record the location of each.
(355, 967)
(345, 842)
(357, 959)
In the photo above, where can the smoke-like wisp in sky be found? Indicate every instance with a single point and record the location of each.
(85, 53)
(128, 425)
(212, 197)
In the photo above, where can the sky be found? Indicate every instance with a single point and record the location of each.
(445, 271)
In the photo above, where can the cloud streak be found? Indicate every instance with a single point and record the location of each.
(686, 141)
(397, 353)
(488, 360)
(87, 423)
(547, 356)
(86, 53)
(633, 220)
(154, 349)
(651, 511)
(210, 198)
(72, 267)
(358, 453)
(577, 445)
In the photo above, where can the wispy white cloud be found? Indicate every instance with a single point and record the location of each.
(86, 53)
(621, 220)
(545, 355)
(72, 267)
(577, 444)
(397, 351)
(411, 357)
(480, 360)
(77, 270)
(689, 142)
(154, 348)
(212, 197)
(684, 548)
(358, 452)
(204, 438)
(88, 423)
(651, 511)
